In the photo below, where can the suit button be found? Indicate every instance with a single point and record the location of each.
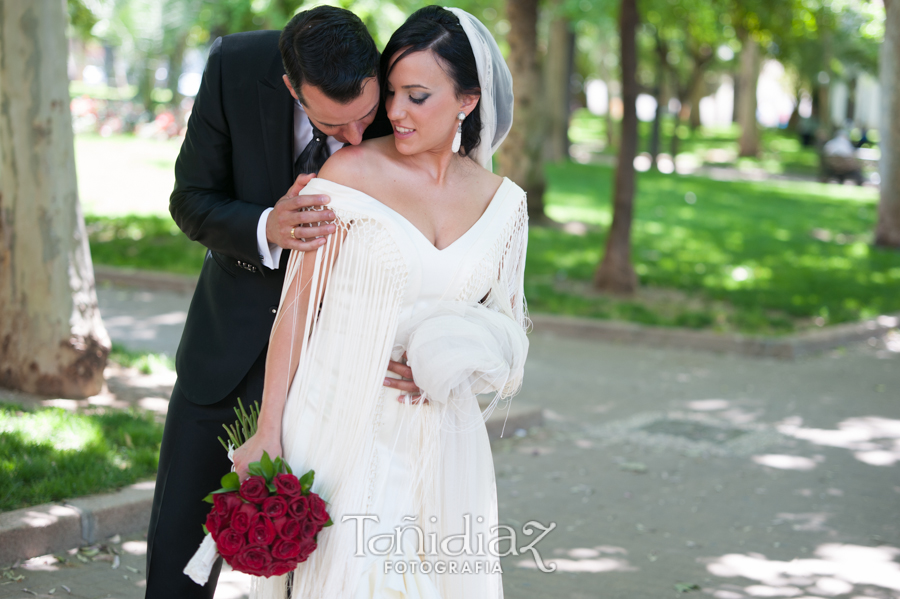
(273, 309)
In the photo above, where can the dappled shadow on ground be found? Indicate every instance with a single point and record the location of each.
(124, 388)
(835, 570)
(873, 440)
(594, 560)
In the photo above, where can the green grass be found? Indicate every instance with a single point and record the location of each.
(145, 362)
(752, 257)
(781, 151)
(149, 242)
(50, 454)
(124, 174)
(804, 247)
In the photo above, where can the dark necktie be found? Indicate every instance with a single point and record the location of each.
(313, 155)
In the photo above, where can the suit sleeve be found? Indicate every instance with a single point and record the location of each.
(203, 203)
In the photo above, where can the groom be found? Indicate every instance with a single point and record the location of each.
(270, 109)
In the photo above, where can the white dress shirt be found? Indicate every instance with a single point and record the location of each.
(269, 253)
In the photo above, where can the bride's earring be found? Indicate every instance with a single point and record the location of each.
(457, 139)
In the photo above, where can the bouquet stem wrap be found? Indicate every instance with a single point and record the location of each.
(202, 563)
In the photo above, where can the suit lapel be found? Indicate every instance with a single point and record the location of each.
(276, 111)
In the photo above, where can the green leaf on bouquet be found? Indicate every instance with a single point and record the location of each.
(230, 482)
(329, 523)
(205, 530)
(255, 469)
(287, 467)
(271, 487)
(268, 467)
(306, 481)
(208, 498)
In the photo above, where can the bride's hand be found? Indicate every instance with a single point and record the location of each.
(405, 382)
(252, 451)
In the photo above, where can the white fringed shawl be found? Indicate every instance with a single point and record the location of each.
(456, 348)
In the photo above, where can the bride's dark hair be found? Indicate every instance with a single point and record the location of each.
(437, 29)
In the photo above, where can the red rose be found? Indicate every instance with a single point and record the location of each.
(226, 503)
(274, 507)
(262, 531)
(287, 484)
(287, 528)
(308, 529)
(240, 519)
(318, 511)
(307, 546)
(213, 522)
(229, 542)
(254, 489)
(298, 508)
(285, 549)
(281, 568)
(252, 560)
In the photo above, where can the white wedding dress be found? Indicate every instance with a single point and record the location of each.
(460, 313)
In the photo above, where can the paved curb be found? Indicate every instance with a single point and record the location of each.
(145, 279)
(788, 347)
(54, 527)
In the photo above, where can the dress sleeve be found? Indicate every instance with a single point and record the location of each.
(512, 264)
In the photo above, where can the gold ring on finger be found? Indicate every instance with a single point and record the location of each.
(292, 233)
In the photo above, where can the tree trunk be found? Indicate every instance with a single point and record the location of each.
(793, 124)
(823, 89)
(616, 273)
(176, 66)
(698, 86)
(679, 114)
(660, 93)
(657, 125)
(850, 114)
(609, 121)
(146, 82)
(520, 155)
(887, 233)
(557, 88)
(52, 341)
(749, 61)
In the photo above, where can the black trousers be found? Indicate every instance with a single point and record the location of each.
(191, 463)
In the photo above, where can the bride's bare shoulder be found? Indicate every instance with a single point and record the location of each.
(482, 179)
(353, 164)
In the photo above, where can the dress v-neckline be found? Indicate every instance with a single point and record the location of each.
(418, 232)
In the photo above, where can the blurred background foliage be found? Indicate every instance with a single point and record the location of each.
(710, 249)
(679, 40)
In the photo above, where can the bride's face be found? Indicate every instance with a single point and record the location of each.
(422, 104)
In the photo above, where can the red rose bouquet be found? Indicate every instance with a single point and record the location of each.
(263, 526)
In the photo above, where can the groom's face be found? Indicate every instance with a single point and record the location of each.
(344, 122)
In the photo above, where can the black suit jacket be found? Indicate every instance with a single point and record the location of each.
(235, 162)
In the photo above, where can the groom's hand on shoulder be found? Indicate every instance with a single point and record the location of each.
(304, 215)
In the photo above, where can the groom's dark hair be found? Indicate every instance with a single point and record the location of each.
(331, 49)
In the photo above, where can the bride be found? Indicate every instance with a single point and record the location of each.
(427, 263)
